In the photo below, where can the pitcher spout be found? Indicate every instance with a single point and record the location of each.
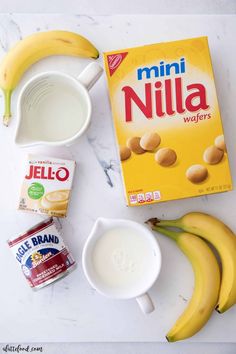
(23, 141)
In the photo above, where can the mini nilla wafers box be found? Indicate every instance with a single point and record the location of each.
(167, 121)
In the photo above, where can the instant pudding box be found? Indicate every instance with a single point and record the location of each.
(167, 121)
(46, 185)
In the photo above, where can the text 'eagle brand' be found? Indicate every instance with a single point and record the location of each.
(42, 254)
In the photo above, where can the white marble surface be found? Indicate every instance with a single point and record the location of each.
(105, 7)
(70, 311)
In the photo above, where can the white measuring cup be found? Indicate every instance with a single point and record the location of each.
(126, 260)
(54, 108)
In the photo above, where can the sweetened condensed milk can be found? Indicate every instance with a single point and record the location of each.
(41, 253)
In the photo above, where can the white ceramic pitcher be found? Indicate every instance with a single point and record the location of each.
(138, 292)
(55, 108)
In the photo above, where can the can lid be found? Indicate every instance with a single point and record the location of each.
(25, 234)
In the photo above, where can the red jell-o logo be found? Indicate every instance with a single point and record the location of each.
(114, 61)
(42, 172)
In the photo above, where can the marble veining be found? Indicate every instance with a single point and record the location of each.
(69, 310)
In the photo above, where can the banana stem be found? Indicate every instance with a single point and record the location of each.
(7, 113)
(169, 339)
(157, 225)
(169, 233)
(158, 222)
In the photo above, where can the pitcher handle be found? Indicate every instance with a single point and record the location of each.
(145, 303)
(90, 75)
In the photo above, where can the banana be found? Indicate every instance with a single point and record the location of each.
(224, 240)
(33, 48)
(207, 284)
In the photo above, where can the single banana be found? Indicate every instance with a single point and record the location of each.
(33, 48)
(207, 283)
(224, 240)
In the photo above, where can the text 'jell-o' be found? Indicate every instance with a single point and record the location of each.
(47, 185)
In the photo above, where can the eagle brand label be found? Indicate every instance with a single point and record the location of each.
(42, 254)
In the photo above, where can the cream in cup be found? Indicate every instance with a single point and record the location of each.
(122, 260)
(55, 108)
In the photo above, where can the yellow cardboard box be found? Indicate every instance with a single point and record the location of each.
(167, 89)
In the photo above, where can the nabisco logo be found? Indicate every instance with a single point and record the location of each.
(43, 172)
(114, 61)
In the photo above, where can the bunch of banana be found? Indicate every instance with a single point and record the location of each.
(33, 48)
(206, 273)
